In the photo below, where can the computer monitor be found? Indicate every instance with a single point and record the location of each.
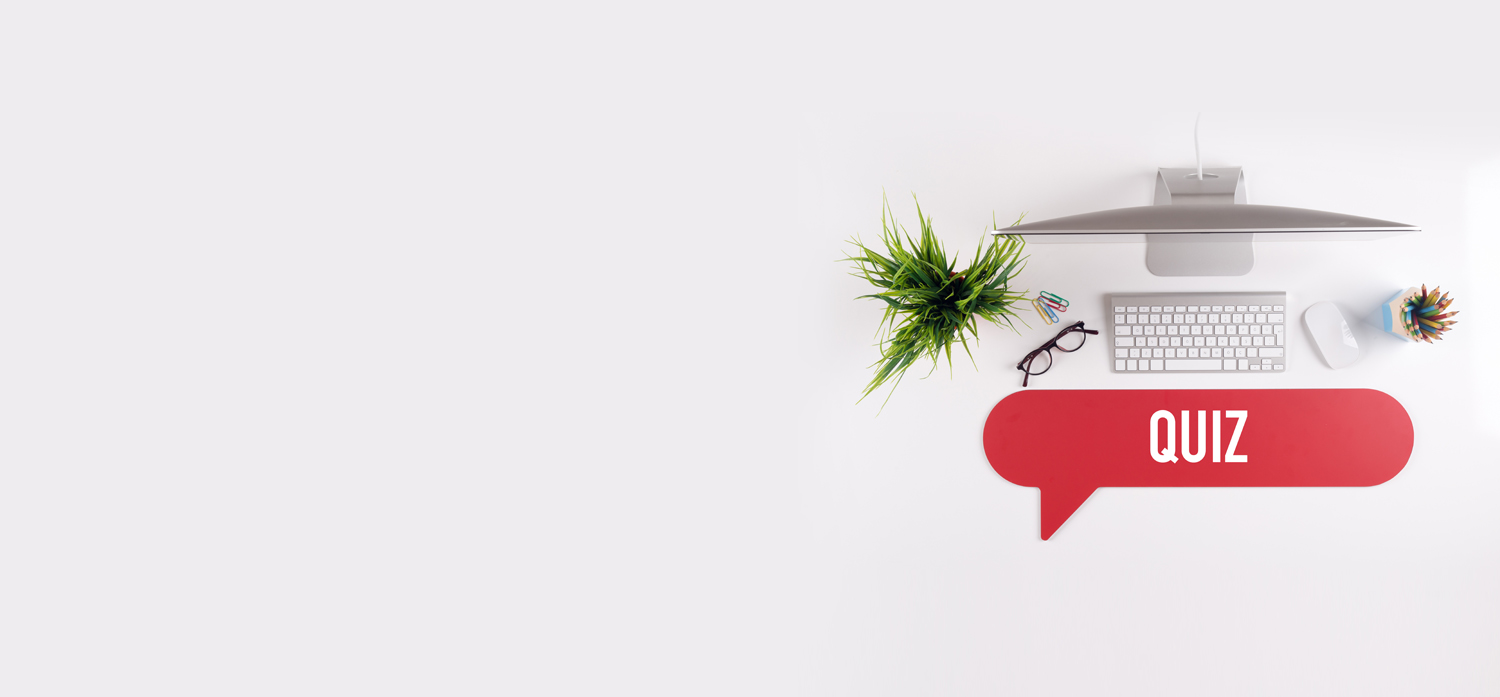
(1203, 226)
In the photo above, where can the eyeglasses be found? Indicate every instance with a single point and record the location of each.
(1068, 340)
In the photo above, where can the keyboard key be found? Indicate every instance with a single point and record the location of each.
(1119, 364)
(1275, 317)
(1155, 308)
(1237, 318)
(1192, 308)
(1121, 353)
(1240, 308)
(1260, 318)
(1140, 341)
(1119, 319)
(1119, 308)
(1217, 308)
(1229, 364)
(1255, 366)
(1156, 353)
(1271, 352)
(1130, 365)
(1190, 364)
(1132, 308)
(1218, 353)
(1278, 308)
(1130, 319)
(1251, 352)
(1244, 364)
(1279, 366)
(1156, 365)
(1265, 361)
(1135, 353)
(1122, 341)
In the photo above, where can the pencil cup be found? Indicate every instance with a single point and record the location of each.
(1391, 317)
(1419, 315)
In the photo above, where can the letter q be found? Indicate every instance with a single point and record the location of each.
(1169, 453)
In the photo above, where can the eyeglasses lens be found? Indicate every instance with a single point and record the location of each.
(1071, 341)
(1039, 363)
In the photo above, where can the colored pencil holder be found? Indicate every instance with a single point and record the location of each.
(1418, 316)
(1393, 312)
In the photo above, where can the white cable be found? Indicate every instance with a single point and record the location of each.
(1195, 145)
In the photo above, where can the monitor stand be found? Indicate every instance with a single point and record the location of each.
(1200, 254)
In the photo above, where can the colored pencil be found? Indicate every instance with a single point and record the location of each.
(1426, 316)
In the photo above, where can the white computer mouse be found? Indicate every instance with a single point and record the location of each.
(1332, 335)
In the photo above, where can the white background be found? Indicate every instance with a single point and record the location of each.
(935, 566)
(446, 348)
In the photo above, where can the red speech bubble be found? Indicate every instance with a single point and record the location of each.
(1070, 442)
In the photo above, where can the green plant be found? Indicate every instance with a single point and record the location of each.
(929, 303)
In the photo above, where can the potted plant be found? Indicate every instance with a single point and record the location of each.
(929, 302)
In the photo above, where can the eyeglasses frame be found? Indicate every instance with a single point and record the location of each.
(1025, 364)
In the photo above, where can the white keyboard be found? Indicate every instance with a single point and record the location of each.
(1198, 332)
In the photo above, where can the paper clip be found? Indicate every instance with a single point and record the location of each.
(1048, 316)
(1058, 302)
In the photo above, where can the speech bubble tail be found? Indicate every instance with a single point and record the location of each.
(1058, 503)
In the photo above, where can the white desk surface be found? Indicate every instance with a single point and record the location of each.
(930, 567)
(501, 348)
